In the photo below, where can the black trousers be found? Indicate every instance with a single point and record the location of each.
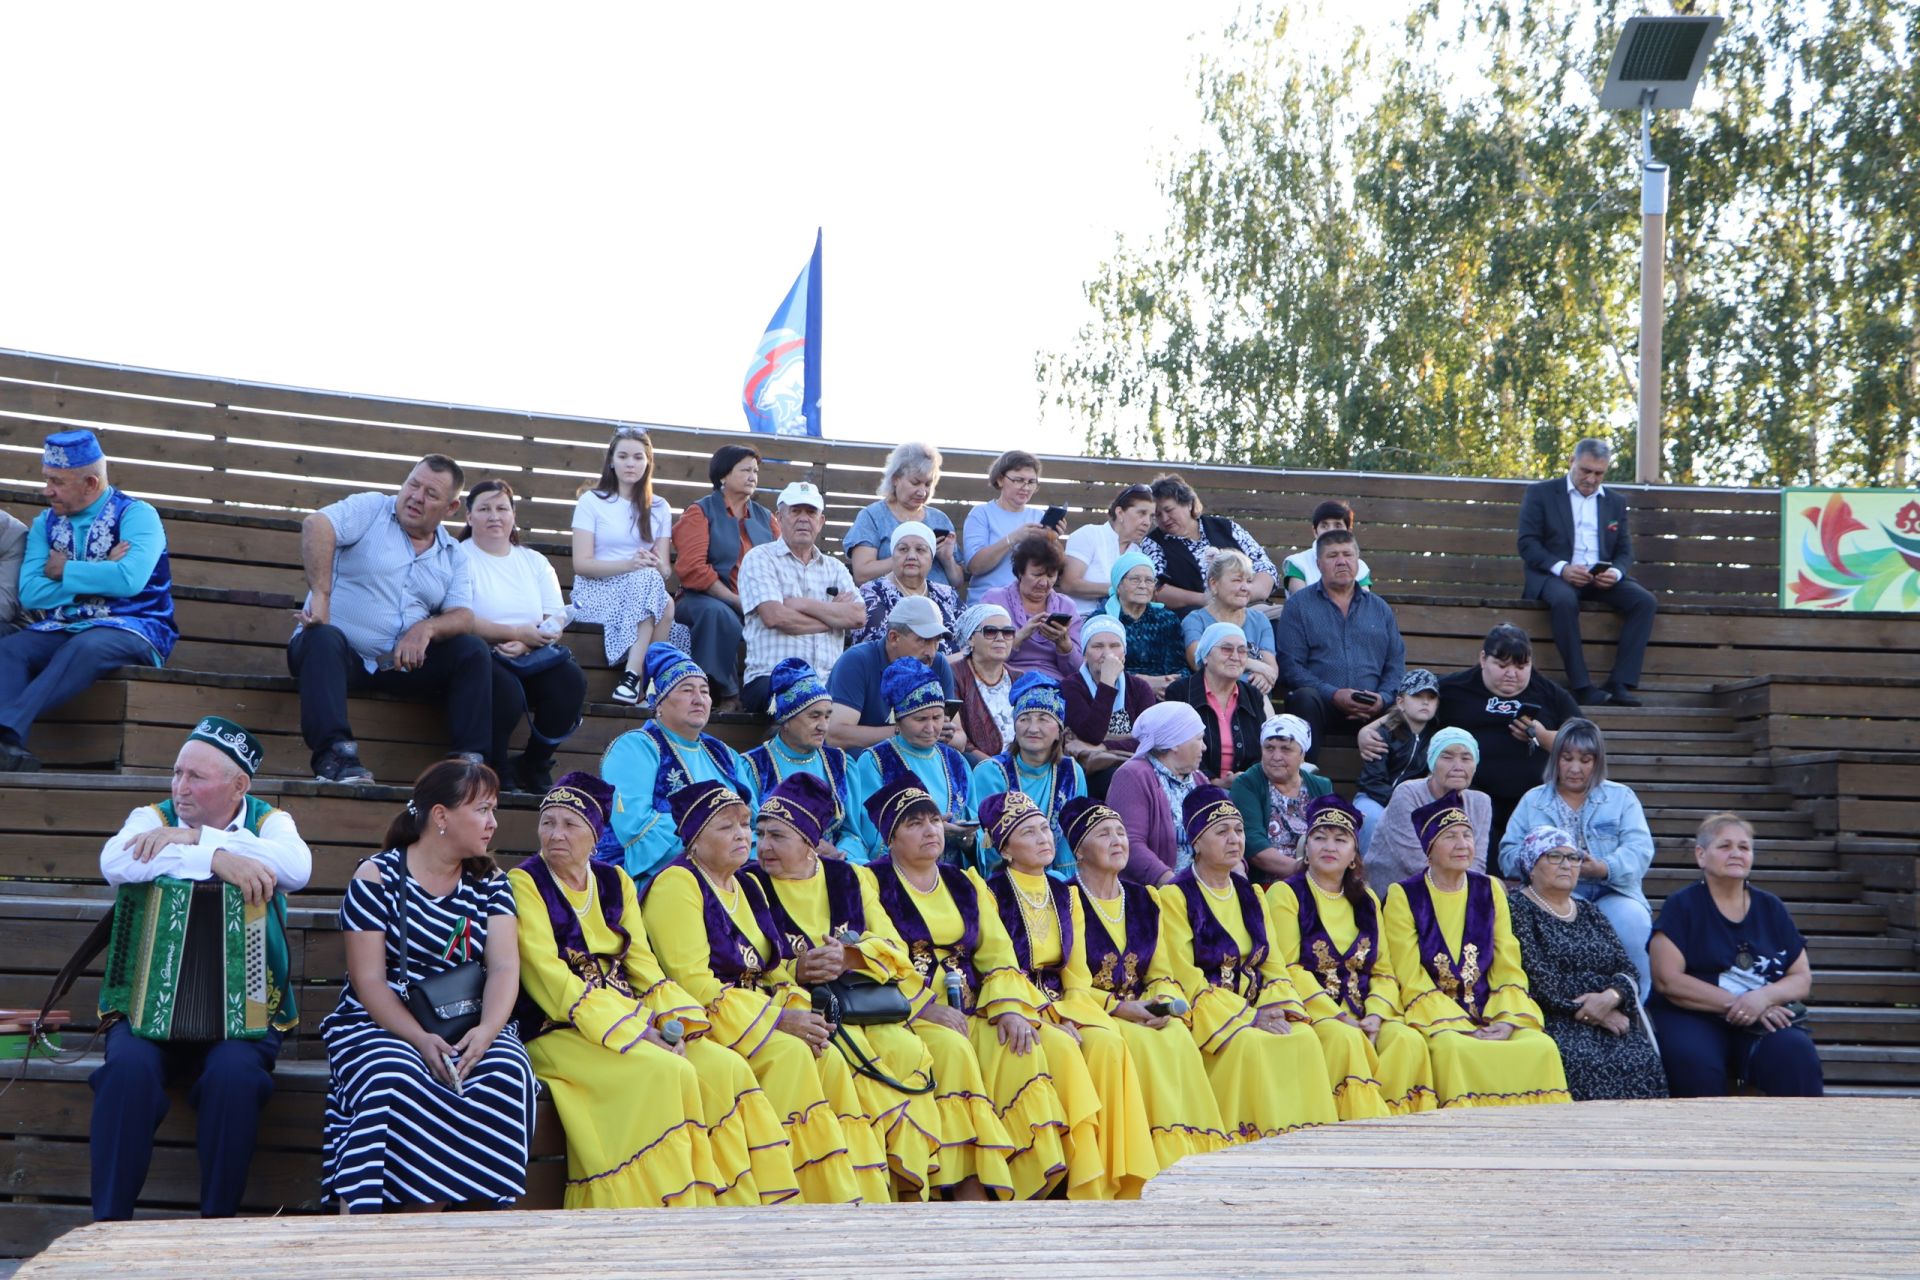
(483, 702)
(1325, 719)
(1636, 627)
(554, 698)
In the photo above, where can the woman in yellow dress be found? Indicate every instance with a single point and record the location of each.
(1326, 925)
(971, 986)
(1461, 980)
(1043, 918)
(1267, 1073)
(648, 1121)
(1134, 983)
(715, 936)
(931, 1129)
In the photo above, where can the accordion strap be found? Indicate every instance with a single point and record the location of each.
(92, 945)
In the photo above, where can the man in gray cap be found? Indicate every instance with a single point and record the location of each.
(861, 716)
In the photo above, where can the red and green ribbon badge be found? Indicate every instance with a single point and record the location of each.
(463, 938)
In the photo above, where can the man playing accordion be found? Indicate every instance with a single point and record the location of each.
(195, 988)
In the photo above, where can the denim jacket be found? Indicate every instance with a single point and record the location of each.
(1615, 830)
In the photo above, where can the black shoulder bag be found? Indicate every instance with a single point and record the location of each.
(448, 1003)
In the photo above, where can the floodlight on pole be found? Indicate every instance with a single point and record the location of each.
(1656, 67)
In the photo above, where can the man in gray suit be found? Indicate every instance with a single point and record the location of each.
(13, 550)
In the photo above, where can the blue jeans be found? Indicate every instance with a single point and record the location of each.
(1630, 920)
(39, 670)
(1371, 811)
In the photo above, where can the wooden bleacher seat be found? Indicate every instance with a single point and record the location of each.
(1801, 721)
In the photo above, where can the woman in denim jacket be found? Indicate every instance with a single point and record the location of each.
(1609, 828)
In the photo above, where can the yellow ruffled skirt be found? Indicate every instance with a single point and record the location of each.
(886, 1130)
(972, 1141)
(1182, 1112)
(797, 1083)
(1268, 1084)
(636, 1136)
(1406, 1072)
(1519, 1071)
(750, 1151)
(1032, 1107)
(1352, 1068)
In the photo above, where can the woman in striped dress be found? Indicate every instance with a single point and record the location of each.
(413, 1121)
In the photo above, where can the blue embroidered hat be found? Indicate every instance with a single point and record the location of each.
(1081, 815)
(1037, 691)
(1002, 812)
(667, 667)
(1450, 810)
(1205, 807)
(795, 686)
(697, 804)
(803, 802)
(70, 450)
(585, 794)
(230, 740)
(910, 685)
(896, 801)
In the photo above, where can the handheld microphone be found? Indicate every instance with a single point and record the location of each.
(673, 1031)
(847, 938)
(956, 990)
(1168, 1007)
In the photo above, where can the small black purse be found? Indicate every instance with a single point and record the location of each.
(855, 1000)
(448, 1003)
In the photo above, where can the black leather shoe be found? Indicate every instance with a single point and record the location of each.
(1622, 696)
(17, 759)
(341, 763)
(1592, 697)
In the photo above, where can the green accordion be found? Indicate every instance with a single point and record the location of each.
(190, 960)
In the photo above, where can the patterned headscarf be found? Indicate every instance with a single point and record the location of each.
(795, 686)
(1539, 842)
(1292, 728)
(971, 619)
(1037, 691)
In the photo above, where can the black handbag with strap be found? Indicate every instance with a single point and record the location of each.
(447, 1004)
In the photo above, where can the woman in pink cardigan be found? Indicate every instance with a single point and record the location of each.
(1149, 790)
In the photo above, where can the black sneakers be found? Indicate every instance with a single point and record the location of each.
(17, 759)
(628, 690)
(341, 763)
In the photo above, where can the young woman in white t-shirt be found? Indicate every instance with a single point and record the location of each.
(517, 610)
(620, 559)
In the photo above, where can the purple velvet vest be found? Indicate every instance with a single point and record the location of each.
(570, 940)
(1215, 953)
(919, 938)
(845, 907)
(1123, 970)
(735, 961)
(1006, 896)
(1346, 975)
(1461, 978)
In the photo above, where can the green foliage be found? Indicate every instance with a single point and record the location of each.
(1426, 257)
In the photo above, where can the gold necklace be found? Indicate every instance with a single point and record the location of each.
(1034, 913)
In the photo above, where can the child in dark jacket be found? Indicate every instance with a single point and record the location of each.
(1407, 729)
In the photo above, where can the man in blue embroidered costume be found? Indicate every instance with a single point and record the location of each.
(645, 766)
(918, 699)
(96, 589)
(211, 828)
(389, 607)
(801, 707)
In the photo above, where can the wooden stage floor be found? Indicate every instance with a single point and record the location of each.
(1737, 1187)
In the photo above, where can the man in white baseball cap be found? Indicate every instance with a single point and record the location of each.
(797, 601)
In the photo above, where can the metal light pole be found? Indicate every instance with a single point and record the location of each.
(1656, 66)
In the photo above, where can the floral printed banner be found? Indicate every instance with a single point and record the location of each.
(1850, 549)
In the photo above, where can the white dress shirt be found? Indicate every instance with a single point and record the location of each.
(278, 845)
(1586, 527)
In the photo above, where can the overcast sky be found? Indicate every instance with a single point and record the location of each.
(589, 209)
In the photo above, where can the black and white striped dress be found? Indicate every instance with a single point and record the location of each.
(394, 1134)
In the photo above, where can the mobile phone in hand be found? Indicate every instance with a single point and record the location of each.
(1603, 567)
(1055, 517)
(953, 706)
(1366, 697)
(1060, 619)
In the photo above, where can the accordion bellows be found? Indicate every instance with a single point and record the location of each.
(188, 961)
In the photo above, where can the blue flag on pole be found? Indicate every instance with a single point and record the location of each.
(781, 395)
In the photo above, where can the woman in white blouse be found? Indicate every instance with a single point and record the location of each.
(620, 558)
(517, 610)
